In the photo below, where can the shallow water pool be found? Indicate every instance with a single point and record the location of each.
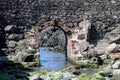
(52, 60)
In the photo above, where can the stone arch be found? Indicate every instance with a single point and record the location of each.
(65, 29)
(76, 37)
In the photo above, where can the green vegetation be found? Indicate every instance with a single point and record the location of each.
(84, 77)
(63, 70)
(72, 61)
(33, 51)
(95, 76)
(40, 72)
(43, 72)
(112, 61)
(30, 64)
(88, 65)
(93, 65)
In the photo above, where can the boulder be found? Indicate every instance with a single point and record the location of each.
(115, 77)
(83, 46)
(116, 65)
(101, 47)
(35, 77)
(103, 57)
(12, 44)
(97, 76)
(15, 36)
(74, 70)
(110, 48)
(67, 76)
(11, 28)
(85, 24)
(106, 72)
(81, 36)
(113, 36)
(57, 75)
(84, 77)
(52, 36)
(116, 72)
(84, 27)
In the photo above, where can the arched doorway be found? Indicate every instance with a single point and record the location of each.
(53, 40)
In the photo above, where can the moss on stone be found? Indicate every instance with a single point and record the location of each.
(112, 61)
(63, 70)
(84, 77)
(32, 51)
(88, 65)
(93, 65)
(30, 64)
(57, 76)
(43, 72)
(40, 72)
(97, 76)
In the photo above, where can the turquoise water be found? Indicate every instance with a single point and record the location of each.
(52, 60)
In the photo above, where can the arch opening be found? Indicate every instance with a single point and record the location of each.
(53, 45)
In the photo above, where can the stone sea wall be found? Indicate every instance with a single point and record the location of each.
(17, 16)
(104, 14)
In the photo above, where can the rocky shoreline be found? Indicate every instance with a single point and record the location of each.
(104, 72)
(82, 71)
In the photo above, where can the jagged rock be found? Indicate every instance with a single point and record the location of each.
(12, 44)
(84, 27)
(113, 36)
(85, 24)
(15, 37)
(83, 45)
(97, 76)
(53, 36)
(111, 48)
(104, 47)
(107, 71)
(22, 45)
(35, 77)
(74, 70)
(84, 76)
(10, 28)
(23, 57)
(116, 72)
(116, 65)
(23, 42)
(81, 36)
(115, 77)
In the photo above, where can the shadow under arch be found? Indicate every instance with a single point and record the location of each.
(66, 31)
